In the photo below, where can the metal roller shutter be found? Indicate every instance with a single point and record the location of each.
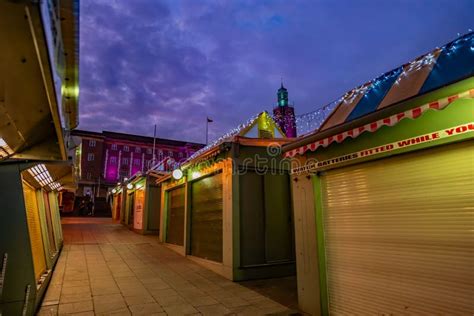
(175, 225)
(206, 218)
(53, 204)
(131, 208)
(34, 229)
(138, 208)
(398, 234)
(49, 223)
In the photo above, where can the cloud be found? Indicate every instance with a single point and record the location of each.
(175, 62)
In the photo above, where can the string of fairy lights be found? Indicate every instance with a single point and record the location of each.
(233, 132)
(311, 121)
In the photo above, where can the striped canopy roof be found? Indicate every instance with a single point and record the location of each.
(440, 67)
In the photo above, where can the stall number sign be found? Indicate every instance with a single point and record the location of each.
(312, 165)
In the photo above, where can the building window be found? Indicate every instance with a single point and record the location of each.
(180, 155)
(137, 162)
(138, 150)
(114, 146)
(90, 157)
(160, 154)
(170, 153)
(92, 143)
(113, 160)
(125, 161)
(125, 148)
(89, 176)
(149, 151)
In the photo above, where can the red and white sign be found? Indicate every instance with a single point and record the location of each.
(372, 127)
(312, 165)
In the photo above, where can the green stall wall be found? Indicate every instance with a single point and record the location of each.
(15, 243)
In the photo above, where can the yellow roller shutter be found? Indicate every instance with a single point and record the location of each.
(32, 215)
(399, 234)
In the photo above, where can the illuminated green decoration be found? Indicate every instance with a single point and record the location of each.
(282, 96)
(266, 126)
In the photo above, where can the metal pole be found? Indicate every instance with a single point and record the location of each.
(207, 128)
(154, 142)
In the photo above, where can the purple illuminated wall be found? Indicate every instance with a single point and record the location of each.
(284, 116)
(132, 161)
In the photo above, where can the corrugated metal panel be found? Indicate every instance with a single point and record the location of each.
(34, 229)
(116, 205)
(49, 223)
(206, 218)
(175, 226)
(130, 207)
(138, 208)
(54, 205)
(398, 234)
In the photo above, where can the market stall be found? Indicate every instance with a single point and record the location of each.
(31, 234)
(38, 102)
(141, 204)
(228, 206)
(116, 203)
(383, 193)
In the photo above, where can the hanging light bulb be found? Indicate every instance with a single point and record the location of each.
(177, 174)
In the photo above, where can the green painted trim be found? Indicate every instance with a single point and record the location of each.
(323, 285)
(235, 201)
(146, 207)
(165, 215)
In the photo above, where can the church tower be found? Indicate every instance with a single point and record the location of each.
(284, 114)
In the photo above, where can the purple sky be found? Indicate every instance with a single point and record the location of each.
(175, 62)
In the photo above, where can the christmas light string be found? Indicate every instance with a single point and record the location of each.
(311, 121)
(227, 136)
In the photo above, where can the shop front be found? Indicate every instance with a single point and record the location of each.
(33, 139)
(32, 240)
(383, 203)
(228, 207)
(116, 203)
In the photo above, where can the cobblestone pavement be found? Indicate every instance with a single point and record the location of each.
(105, 269)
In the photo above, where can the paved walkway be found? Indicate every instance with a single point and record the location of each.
(105, 269)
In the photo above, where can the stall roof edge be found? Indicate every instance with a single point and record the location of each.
(380, 114)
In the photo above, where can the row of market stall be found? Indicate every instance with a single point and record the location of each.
(31, 235)
(374, 209)
(228, 207)
(38, 107)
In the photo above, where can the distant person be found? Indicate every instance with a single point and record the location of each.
(82, 208)
(90, 207)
